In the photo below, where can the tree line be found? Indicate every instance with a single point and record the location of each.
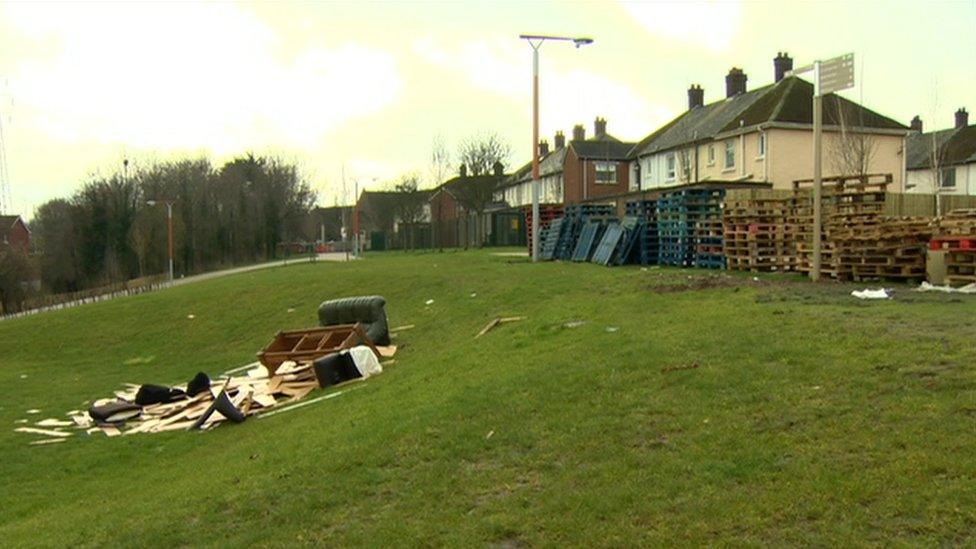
(115, 228)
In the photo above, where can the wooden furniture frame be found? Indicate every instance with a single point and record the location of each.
(312, 343)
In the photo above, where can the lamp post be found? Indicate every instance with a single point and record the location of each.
(169, 222)
(536, 40)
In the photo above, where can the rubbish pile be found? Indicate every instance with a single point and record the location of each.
(293, 365)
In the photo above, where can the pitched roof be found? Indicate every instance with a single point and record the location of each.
(7, 223)
(549, 164)
(789, 101)
(459, 184)
(605, 147)
(955, 146)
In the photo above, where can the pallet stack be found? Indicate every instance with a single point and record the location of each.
(547, 212)
(846, 202)
(647, 241)
(882, 247)
(687, 224)
(956, 234)
(576, 216)
(757, 236)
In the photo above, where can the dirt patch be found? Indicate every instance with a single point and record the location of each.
(692, 283)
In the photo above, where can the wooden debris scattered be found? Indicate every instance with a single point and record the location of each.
(491, 325)
(312, 343)
(46, 432)
(46, 441)
(402, 328)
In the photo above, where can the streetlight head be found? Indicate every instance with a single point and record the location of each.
(582, 41)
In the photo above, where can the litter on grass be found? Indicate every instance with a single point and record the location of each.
(967, 289)
(880, 293)
(291, 367)
(491, 325)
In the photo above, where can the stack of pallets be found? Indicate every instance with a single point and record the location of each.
(549, 239)
(647, 240)
(547, 212)
(882, 247)
(757, 236)
(576, 216)
(687, 223)
(846, 202)
(956, 234)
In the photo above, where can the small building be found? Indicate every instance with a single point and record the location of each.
(949, 153)
(392, 219)
(14, 232)
(766, 135)
(460, 209)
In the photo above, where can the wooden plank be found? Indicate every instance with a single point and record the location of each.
(46, 432)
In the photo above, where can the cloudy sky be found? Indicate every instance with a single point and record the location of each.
(370, 85)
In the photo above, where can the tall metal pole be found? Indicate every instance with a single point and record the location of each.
(817, 182)
(169, 220)
(535, 151)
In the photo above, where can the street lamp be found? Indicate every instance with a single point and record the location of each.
(169, 222)
(536, 40)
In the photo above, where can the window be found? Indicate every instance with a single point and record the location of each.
(670, 164)
(948, 178)
(729, 154)
(762, 144)
(686, 165)
(606, 173)
(711, 155)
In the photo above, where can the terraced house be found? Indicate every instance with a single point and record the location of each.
(944, 156)
(766, 135)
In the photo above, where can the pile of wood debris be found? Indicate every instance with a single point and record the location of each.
(251, 389)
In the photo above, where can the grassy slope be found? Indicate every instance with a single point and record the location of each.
(813, 418)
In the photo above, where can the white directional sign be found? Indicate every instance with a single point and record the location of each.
(837, 74)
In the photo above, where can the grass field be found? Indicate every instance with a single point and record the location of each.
(811, 417)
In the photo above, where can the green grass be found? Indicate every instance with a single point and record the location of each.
(812, 418)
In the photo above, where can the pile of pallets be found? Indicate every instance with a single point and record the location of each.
(757, 236)
(846, 202)
(647, 240)
(575, 217)
(547, 212)
(689, 228)
(955, 233)
(881, 247)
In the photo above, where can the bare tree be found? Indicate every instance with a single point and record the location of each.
(440, 160)
(854, 149)
(480, 153)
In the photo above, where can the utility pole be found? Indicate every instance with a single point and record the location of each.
(169, 224)
(536, 40)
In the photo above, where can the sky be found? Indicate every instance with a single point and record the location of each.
(359, 91)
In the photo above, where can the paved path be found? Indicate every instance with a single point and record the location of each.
(334, 256)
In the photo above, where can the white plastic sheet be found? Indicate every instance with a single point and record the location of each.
(880, 293)
(967, 289)
(366, 361)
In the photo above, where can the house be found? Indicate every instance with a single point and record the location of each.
(14, 232)
(325, 224)
(766, 135)
(459, 208)
(517, 190)
(387, 219)
(597, 166)
(584, 168)
(951, 153)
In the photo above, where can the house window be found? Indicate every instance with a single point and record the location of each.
(686, 165)
(948, 178)
(670, 164)
(729, 154)
(606, 173)
(762, 144)
(711, 155)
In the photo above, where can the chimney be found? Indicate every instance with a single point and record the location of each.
(559, 140)
(463, 171)
(543, 147)
(579, 133)
(696, 96)
(498, 168)
(962, 118)
(916, 124)
(782, 64)
(600, 127)
(735, 82)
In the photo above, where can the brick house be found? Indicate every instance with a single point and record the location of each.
(455, 220)
(595, 167)
(14, 232)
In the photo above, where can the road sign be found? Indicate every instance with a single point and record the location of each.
(836, 74)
